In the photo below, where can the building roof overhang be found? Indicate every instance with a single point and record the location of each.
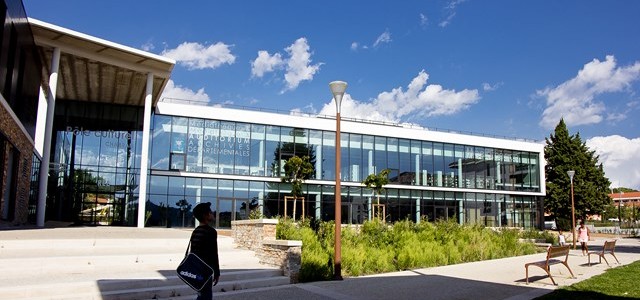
(96, 70)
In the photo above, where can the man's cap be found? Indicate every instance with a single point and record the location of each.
(201, 210)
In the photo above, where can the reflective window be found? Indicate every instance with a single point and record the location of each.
(438, 164)
(211, 146)
(355, 159)
(328, 155)
(242, 149)
(407, 176)
(195, 145)
(272, 151)
(427, 164)
(316, 154)
(380, 155)
(257, 150)
(367, 155)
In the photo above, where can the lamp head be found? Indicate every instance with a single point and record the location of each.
(337, 89)
(571, 173)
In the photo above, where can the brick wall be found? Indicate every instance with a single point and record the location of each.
(24, 145)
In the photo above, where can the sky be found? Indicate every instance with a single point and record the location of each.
(504, 68)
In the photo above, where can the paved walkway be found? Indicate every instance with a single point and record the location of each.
(492, 279)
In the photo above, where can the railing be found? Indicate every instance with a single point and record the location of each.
(310, 114)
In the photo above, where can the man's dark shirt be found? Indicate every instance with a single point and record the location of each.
(204, 243)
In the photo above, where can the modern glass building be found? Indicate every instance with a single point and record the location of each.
(234, 159)
(119, 155)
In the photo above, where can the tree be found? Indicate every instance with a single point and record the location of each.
(564, 152)
(622, 189)
(296, 171)
(184, 206)
(377, 183)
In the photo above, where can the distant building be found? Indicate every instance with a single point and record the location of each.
(628, 199)
(119, 155)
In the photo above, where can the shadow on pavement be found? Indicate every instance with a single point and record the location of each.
(171, 286)
(579, 295)
(414, 287)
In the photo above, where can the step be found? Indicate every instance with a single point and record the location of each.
(139, 288)
(47, 266)
(129, 264)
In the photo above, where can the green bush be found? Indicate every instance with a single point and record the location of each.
(545, 235)
(378, 247)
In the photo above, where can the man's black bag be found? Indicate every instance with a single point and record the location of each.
(194, 271)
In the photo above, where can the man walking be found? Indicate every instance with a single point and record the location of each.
(204, 243)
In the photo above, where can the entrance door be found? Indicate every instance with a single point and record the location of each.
(101, 209)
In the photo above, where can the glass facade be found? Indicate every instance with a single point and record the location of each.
(95, 164)
(237, 167)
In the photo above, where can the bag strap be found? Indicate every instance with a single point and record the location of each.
(187, 252)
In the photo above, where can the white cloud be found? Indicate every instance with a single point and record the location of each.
(424, 21)
(385, 37)
(266, 63)
(299, 66)
(148, 46)
(450, 11)
(354, 46)
(196, 56)
(418, 100)
(616, 117)
(487, 87)
(620, 158)
(173, 91)
(573, 100)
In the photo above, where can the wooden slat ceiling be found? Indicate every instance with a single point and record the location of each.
(97, 70)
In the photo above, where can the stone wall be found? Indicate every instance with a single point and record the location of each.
(286, 255)
(249, 234)
(260, 236)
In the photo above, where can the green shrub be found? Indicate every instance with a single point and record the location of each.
(379, 247)
(545, 235)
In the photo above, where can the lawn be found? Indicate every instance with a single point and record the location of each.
(615, 283)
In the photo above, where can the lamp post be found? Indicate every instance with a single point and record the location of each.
(337, 89)
(573, 209)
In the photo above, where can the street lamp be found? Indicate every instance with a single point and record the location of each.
(337, 89)
(573, 209)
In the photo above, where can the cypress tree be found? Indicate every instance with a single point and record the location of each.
(564, 152)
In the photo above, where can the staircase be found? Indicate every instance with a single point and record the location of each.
(115, 263)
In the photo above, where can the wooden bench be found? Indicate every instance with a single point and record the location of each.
(608, 248)
(552, 253)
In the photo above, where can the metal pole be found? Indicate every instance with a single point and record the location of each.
(337, 263)
(573, 215)
(337, 89)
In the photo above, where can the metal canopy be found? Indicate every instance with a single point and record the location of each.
(96, 70)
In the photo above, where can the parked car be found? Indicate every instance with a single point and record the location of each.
(550, 225)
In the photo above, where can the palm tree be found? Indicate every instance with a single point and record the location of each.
(184, 206)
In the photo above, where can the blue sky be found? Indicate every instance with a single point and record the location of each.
(506, 68)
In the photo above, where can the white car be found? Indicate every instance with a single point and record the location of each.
(550, 225)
